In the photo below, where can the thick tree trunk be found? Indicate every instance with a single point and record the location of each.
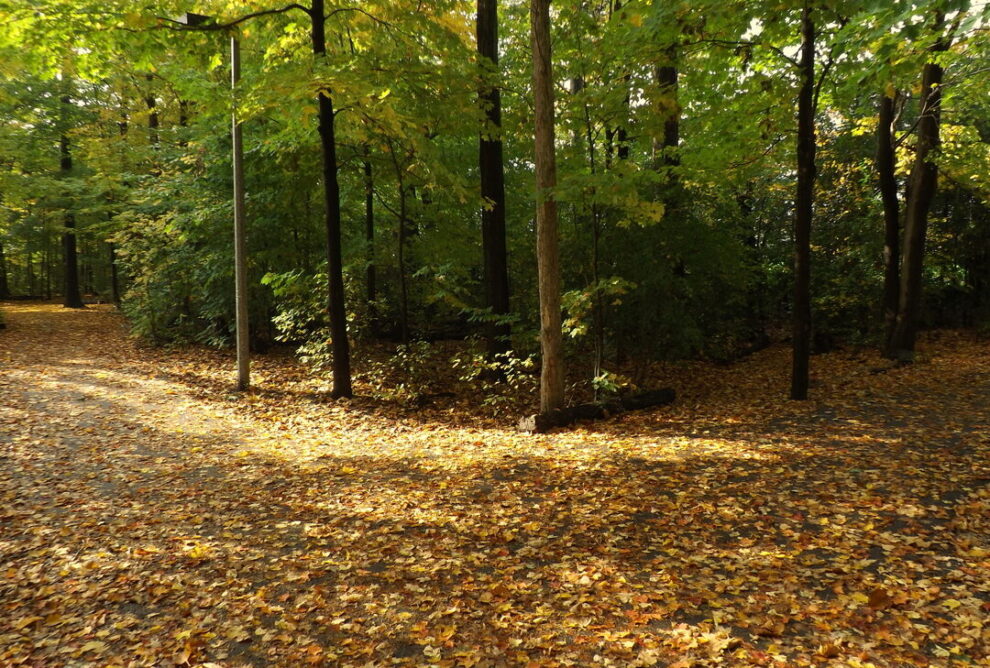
(922, 184)
(331, 194)
(804, 204)
(72, 296)
(492, 182)
(886, 160)
(547, 242)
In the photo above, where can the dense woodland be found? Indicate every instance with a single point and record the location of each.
(458, 215)
(671, 180)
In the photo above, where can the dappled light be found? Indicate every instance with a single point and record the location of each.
(490, 333)
(149, 519)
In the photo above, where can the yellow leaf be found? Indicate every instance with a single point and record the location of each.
(25, 621)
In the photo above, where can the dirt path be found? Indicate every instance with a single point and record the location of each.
(150, 517)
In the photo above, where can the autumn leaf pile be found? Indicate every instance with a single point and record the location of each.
(149, 516)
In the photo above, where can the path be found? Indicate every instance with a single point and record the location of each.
(149, 517)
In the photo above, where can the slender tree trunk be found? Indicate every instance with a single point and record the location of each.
(667, 77)
(72, 296)
(597, 306)
(183, 122)
(922, 184)
(369, 232)
(152, 105)
(492, 181)
(4, 284)
(114, 278)
(403, 280)
(804, 205)
(241, 299)
(886, 159)
(622, 135)
(331, 194)
(665, 149)
(86, 272)
(29, 274)
(122, 129)
(547, 242)
(46, 268)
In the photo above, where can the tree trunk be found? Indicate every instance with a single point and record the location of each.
(72, 296)
(803, 205)
(492, 182)
(114, 277)
(369, 232)
(667, 78)
(4, 284)
(47, 262)
(922, 184)
(152, 105)
(331, 194)
(29, 273)
(401, 256)
(547, 242)
(886, 160)
(597, 305)
(183, 122)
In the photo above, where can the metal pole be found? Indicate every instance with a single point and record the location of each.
(240, 270)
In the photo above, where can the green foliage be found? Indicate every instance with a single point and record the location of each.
(667, 252)
(407, 376)
(505, 380)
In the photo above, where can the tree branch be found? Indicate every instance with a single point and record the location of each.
(178, 25)
(749, 43)
(359, 11)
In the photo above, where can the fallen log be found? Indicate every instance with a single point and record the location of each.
(540, 423)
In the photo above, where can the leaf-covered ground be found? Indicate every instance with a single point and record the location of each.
(148, 516)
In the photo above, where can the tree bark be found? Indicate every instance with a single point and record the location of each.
(114, 276)
(183, 122)
(401, 257)
(369, 232)
(241, 300)
(4, 284)
(667, 78)
(597, 304)
(331, 195)
(563, 417)
(886, 160)
(547, 242)
(804, 204)
(922, 184)
(71, 294)
(491, 168)
(152, 105)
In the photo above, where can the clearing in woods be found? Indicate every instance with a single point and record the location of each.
(148, 516)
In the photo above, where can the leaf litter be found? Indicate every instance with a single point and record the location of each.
(149, 516)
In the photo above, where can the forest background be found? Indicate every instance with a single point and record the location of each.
(389, 170)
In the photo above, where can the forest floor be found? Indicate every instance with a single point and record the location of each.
(150, 516)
